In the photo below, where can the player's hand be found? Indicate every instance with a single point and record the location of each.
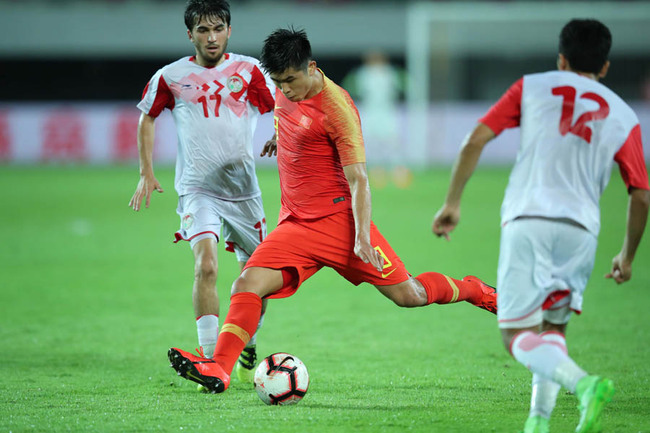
(146, 186)
(621, 269)
(445, 221)
(270, 148)
(368, 254)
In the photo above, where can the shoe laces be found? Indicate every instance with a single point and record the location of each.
(199, 350)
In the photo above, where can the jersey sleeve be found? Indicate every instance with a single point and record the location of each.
(344, 126)
(261, 90)
(631, 161)
(506, 112)
(156, 96)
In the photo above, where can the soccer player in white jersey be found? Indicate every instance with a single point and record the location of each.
(215, 99)
(572, 130)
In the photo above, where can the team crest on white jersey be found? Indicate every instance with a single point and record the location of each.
(235, 84)
(188, 220)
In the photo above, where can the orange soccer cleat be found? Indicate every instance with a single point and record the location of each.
(203, 371)
(489, 300)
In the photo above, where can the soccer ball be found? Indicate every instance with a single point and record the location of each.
(281, 379)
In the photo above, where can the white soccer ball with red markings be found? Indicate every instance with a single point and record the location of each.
(281, 379)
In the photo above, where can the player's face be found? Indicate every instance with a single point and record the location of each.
(210, 38)
(297, 84)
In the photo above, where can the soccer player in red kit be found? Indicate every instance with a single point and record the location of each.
(325, 214)
(573, 129)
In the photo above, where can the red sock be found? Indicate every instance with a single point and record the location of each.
(442, 289)
(238, 328)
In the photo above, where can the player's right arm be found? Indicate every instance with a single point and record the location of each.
(505, 113)
(148, 182)
(448, 216)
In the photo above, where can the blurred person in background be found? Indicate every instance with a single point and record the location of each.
(572, 130)
(215, 98)
(377, 86)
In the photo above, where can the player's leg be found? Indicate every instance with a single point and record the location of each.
(545, 391)
(244, 313)
(266, 273)
(276, 269)
(528, 270)
(434, 288)
(395, 283)
(245, 367)
(548, 360)
(204, 294)
(200, 226)
(521, 283)
(244, 228)
(238, 327)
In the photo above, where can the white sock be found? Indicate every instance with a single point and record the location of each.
(544, 394)
(253, 340)
(207, 328)
(568, 374)
(547, 359)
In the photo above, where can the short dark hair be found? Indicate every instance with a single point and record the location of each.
(284, 49)
(585, 43)
(199, 9)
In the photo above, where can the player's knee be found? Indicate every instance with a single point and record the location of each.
(408, 294)
(242, 284)
(206, 269)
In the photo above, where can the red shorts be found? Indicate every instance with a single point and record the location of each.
(302, 247)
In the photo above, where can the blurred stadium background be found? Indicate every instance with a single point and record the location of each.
(73, 71)
(92, 295)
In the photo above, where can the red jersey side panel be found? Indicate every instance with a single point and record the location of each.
(314, 144)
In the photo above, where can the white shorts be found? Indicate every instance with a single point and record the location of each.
(202, 216)
(544, 266)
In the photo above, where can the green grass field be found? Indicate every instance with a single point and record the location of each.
(93, 295)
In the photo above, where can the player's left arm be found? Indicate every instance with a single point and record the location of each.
(637, 215)
(357, 177)
(635, 175)
(261, 90)
(270, 147)
(262, 95)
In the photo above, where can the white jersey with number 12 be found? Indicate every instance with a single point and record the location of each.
(572, 130)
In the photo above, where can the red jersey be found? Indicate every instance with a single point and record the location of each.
(316, 138)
